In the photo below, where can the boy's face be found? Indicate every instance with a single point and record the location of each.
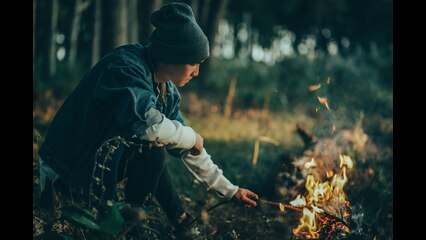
(182, 74)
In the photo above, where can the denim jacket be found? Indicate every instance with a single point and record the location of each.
(113, 95)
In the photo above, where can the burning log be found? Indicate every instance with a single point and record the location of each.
(307, 137)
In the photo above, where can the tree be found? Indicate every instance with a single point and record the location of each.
(208, 13)
(133, 21)
(34, 30)
(362, 22)
(120, 26)
(146, 7)
(53, 26)
(80, 7)
(97, 32)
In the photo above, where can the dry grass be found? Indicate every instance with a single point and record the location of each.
(249, 125)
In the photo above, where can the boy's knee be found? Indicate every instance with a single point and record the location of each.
(158, 152)
(154, 157)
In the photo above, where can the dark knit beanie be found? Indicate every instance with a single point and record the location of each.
(177, 38)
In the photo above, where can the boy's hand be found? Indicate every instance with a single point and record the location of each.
(198, 147)
(245, 196)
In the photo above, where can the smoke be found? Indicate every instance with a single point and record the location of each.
(357, 218)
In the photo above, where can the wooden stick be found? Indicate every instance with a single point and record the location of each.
(326, 214)
(278, 204)
(300, 210)
(255, 152)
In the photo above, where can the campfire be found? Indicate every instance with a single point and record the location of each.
(312, 182)
(326, 209)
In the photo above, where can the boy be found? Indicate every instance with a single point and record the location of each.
(131, 95)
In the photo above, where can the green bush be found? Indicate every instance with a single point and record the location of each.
(360, 82)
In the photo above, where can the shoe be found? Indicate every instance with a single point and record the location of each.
(186, 228)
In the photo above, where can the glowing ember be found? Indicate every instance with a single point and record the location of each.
(323, 100)
(325, 203)
(314, 87)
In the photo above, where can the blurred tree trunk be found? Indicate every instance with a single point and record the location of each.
(53, 26)
(208, 14)
(80, 6)
(133, 21)
(195, 5)
(107, 22)
(43, 40)
(146, 7)
(114, 24)
(97, 32)
(120, 23)
(34, 30)
(227, 110)
(247, 44)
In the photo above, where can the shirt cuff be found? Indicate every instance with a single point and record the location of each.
(224, 187)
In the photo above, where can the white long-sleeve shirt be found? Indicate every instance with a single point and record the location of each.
(172, 134)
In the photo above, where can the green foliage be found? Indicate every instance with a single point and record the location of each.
(358, 82)
(81, 217)
(64, 81)
(112, 220)
(109, 222)
(36, 136)
(56, 236)
(255, 80)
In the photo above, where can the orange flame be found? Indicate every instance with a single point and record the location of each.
(307, 221)
(329, 173)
